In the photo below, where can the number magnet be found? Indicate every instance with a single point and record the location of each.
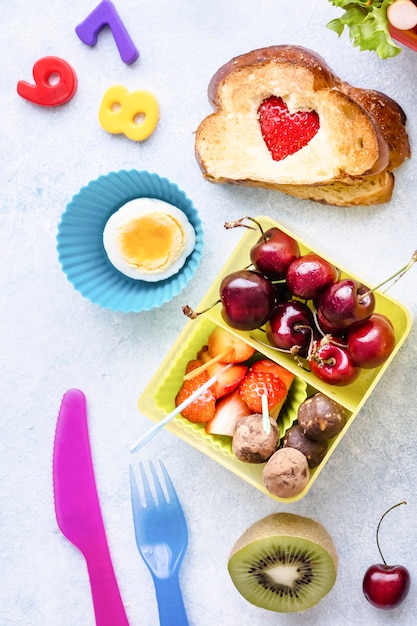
(134, 114)
(46, 91)
(103, 15)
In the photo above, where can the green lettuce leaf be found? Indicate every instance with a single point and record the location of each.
(367, 24)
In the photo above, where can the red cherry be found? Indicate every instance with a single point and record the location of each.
(274, 252)
(345, 303)
(324, 327)
(291, 324)
(247, 298)
(386, 586)
(371, 342)
(309, 275)
(332, 364)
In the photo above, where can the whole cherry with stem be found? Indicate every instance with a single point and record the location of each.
(348, 302)
(247, 298)
(386, 586)
(332, 363)
(274, 251)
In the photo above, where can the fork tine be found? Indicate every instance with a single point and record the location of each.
(137, 507)
(146, 488)
(172, 494)
(158, 487)
(134, 490)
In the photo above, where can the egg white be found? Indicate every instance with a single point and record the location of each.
(133, 210)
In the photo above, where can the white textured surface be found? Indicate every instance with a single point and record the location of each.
(53, 339)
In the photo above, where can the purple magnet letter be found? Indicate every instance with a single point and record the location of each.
(103, 15)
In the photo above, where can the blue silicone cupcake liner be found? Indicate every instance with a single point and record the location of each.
(80, 241)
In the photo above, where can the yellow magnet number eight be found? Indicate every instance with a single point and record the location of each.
(135, 113)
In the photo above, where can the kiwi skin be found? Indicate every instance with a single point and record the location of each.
(298, 536)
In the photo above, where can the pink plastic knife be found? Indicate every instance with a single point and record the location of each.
(77, 507)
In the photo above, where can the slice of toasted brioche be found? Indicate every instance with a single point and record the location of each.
(390, 119)
(361, 133)
(363, 190)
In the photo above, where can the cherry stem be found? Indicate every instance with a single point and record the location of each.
(240, 223)
(299, 327)
(293, 351)
(379, 524)
(189, 312)
(326, 335)
(395, 277)
(313, 354)
(330, 361)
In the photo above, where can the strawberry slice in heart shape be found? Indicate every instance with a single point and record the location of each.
(285, 133)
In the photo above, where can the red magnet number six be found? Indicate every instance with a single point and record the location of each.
(55, 83)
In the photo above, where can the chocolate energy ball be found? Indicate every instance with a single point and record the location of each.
(314, 451)
(320, 417)
(251, 443)
(286, 473)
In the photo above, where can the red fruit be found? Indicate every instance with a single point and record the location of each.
(371, 342)
(325, 328)
(285, 133)
(386, 586)
(309, 275)
(333, 365)
(228, 380)
(257, 383)
(247, 298)
(228, 411)
(274, 252)
(203, 408)
(291, 325)
(266, 365)
(346, 303)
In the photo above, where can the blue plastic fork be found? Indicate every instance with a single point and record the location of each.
(162, 538)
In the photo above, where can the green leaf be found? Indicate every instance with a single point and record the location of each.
(337, 26)
(367, 24)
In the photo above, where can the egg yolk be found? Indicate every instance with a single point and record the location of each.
(151, 242)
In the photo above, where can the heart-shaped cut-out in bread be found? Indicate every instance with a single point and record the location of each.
(285, 133)
(353, 140)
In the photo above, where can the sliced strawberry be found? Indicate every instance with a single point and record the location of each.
(257, 383)
(202, 409)
(285, 133)
(266, 365)
(228, 380)
(228, 411)
(220, 341)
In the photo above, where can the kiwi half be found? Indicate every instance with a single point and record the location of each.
(284, 562)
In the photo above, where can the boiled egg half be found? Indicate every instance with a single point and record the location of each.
(148, 239)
